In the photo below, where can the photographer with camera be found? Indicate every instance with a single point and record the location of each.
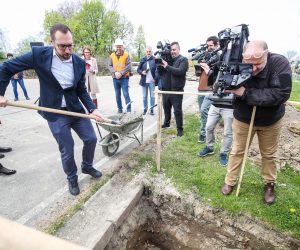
(211, 115)
(268, 89)
(173, 77)
(212, 44)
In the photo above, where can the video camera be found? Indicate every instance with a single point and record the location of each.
(232, 73)
(163, 52)
(201, 54)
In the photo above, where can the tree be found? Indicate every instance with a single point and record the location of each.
(290, 54)
(24, 45)
(125, 31)
(67, 9)
(139, 43)
(92, 25)
(2, 55)
(52, 17)
(4, 44)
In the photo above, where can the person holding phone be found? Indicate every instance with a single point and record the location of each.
(147, 69)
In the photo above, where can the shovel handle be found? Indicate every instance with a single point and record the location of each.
(56, 111)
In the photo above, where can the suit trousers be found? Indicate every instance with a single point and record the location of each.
(268, 137)
(176, 102)
(61, 130)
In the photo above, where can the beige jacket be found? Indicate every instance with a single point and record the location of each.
(91, 79)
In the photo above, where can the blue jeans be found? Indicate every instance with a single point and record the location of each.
(214, 115)
(203, 108)
(61, 130)
(122, 84)
(151, 88)
(22, 85)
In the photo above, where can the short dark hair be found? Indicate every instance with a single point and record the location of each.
(175, 43)
(214, 39)
(9, 54)
(58, 27)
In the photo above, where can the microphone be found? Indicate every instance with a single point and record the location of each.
(191, 50)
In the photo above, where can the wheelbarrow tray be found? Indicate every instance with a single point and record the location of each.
(126, 127)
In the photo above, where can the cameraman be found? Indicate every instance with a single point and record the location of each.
(173, 79)
(268, 90)
(212, 43)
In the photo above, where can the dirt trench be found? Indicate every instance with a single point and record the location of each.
(168, 222)
(164, 219)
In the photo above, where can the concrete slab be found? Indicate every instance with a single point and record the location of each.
(94, 225)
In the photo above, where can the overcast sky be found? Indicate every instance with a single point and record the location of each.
(189, 22)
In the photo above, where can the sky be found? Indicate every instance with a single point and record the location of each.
(189, 22)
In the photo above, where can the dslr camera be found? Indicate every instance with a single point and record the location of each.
(231, 72)
(201, 55)
(163, 53)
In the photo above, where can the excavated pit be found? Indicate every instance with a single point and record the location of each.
(165, 222)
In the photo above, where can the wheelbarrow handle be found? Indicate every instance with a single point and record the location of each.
(58, 111)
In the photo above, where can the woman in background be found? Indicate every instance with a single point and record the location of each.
(91, 72)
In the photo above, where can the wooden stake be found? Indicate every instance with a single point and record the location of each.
(246, 150)
(159, 122)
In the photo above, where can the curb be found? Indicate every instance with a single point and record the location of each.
(95, 224)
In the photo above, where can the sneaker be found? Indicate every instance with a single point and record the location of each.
(202, 139)
(179, 133)
(145, 111)
(223, 160)
(165, 126)
(16, 99)
(120, 111)
(27, 98)
(206, 151)
(151, 112)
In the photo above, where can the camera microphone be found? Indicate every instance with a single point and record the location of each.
(191, 50)
(156, 52)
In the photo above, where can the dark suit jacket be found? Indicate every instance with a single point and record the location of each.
(143, 66)
(40, 59)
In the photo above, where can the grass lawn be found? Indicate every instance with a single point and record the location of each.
(295, 95)
(205, 176)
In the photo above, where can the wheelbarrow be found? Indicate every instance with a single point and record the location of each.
(127, 126)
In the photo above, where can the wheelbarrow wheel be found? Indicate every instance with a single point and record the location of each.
(111, 149)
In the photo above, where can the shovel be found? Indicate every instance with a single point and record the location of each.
(61, 112)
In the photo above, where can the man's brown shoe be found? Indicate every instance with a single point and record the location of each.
(269, 193)
(226, 189)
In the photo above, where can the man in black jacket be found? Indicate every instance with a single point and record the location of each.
(147, 69)
(268, 90)
(177, 75)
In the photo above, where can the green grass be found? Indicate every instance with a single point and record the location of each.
(59, 222)
(205, 176)
(295, 95)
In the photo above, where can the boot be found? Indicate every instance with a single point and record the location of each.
(269, 193)
(95, 102)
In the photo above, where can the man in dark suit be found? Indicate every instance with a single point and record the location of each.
(62, 86)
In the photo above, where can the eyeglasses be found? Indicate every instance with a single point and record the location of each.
(254, 54)
(64, 46)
